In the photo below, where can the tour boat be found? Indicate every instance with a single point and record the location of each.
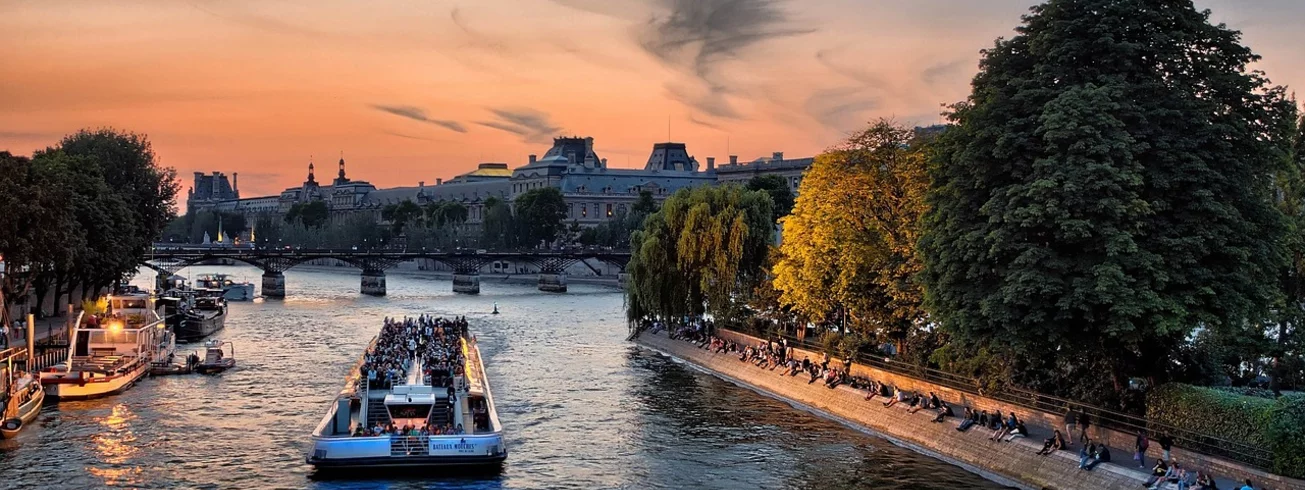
(108, 358)
(344, 439)
(21, 394)
(231, 290)
(216, 359)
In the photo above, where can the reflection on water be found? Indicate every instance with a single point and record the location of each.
(582, 407)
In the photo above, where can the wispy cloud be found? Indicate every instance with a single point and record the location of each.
(531, 125)
(417, 114)
(943, 72)
(408, 136)
(840, 108)
(698, 35)
(826, 57)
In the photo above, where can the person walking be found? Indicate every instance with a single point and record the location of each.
(1139, 447)
(1070, 422)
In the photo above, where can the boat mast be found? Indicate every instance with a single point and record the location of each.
(72, 341)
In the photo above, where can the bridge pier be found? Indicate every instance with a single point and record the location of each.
(373, 282)
(466, 283)
(623, 279)
(552, 282)
(273, 285)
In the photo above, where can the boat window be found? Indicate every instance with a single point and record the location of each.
(409, 411)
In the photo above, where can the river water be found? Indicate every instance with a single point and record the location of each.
(582, 407)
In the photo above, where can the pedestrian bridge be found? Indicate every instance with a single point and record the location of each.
(465, 264)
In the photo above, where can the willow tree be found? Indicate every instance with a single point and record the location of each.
(849, 245)
(701, 253)
(1104, 191)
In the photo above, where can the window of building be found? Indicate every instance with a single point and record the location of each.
(609, 210)
(584, 210)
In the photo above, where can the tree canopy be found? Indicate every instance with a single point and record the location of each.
(779, 192)
(702, 252)
(850, 242)
(1085, 218)
(539, 214)
(312, 214)
(83, 212)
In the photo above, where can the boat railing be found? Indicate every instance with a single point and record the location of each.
(409, 445)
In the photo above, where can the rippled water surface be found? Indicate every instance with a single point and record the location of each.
(582, 407)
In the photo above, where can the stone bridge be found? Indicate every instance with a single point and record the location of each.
(466, 264)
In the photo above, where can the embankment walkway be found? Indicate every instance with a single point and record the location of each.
(1013, 463)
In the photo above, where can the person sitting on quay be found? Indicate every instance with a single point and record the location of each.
(1158, 473)
(1100, 454)
(944, 411)
(1019, 431)
(1057, 442)
(971, 418)
(1004, 429)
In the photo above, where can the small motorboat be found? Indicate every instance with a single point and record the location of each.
(495, 312)
(22, 396)
(218, 356)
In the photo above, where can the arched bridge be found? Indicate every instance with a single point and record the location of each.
(465, 264)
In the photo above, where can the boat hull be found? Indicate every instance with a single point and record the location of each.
(71, 389)
(204, 368)
(27, 412)
(239, 292)
(462, 451)
(195, 328)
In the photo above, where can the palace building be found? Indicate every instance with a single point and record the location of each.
(593, 191)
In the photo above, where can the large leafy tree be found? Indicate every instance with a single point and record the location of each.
(1286, 349)
(540, 213)
(498, 226)
(779, 192)
(402, 214)
(36, 221)
(703, 252)
(850, 242)
(1103, 193)
(129, 167)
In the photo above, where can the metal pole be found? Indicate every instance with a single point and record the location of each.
(31, 341)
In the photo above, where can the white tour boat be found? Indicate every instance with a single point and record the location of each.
(111, 356)
(417, 417)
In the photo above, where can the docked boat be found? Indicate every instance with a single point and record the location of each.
(218, 356)
(110, 354)
(204, 313)
(417, 398)
(21, 394)
(231, 290)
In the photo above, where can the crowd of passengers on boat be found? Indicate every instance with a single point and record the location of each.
(434, 340)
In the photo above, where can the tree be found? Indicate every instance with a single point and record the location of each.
(498, 226)
(540, 213)
(1085, 218)
(703, 252)
(1286, 347)
(35, 220)
(446, 213)
(779, 192)
(401, 214)
(850, 241)
(313, 214)
(129, 168)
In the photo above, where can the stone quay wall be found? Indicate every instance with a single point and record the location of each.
(1012, 463)
(1041, 423)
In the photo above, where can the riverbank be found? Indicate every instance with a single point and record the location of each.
(409, 268)
(1010, 463)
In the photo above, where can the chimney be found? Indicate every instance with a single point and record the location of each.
(235, 182)
(589, 144)
(604, 163)
(734, 159)
(777, 157)
(532, 159)
(711, 163)
(439, 181)
(421, 184)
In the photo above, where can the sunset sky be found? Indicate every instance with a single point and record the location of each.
(414, 90)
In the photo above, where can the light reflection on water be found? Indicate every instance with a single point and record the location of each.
(582, 408)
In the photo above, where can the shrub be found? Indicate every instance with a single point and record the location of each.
(1251, 420)
(1286, 433)
(1211, 412)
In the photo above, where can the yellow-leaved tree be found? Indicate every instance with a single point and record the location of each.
(849, 245)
